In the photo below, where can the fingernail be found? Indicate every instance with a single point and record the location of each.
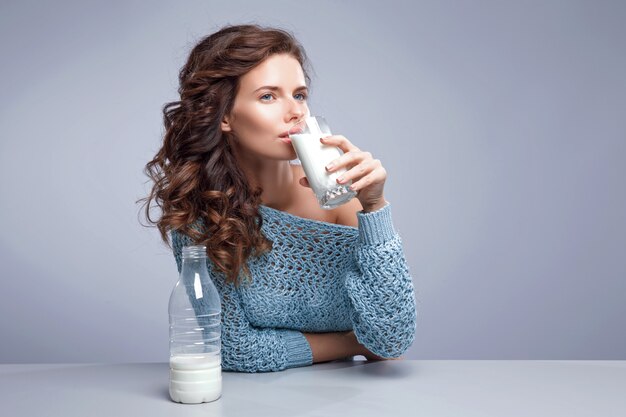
(330, 166)
(322, 139)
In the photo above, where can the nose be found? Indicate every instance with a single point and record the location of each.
(296, 112)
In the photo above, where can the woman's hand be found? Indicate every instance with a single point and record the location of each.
(367, 174)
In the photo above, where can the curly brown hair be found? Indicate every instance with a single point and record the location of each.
(195, 174)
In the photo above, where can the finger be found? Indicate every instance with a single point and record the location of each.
(347, 159)
(340, 141)
(357, 172)
(368, 180)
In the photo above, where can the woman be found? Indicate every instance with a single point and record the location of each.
(319, 284)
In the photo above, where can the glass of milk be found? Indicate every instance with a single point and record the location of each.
(314, 156)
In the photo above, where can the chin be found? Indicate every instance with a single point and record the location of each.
(282, 155)
(289, 150)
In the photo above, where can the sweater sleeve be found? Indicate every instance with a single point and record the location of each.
(381, 288)
(246, 348)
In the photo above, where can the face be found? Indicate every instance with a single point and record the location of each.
(261, 114)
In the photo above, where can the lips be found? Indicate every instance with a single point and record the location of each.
(293, 131)
(285, 137)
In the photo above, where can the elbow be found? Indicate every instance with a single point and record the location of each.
(388, 339)
(398, 348)
(393, 347)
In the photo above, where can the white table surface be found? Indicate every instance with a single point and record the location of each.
(429, 388)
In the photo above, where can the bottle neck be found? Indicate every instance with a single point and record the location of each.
(191, 265)
(194, 262)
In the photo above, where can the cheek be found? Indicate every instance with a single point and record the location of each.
(259, 119)
(267, 117)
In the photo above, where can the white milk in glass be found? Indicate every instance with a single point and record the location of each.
(314, 156)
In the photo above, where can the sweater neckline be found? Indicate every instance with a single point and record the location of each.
(306, 220)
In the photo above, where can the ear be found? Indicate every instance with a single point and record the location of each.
(226, 125)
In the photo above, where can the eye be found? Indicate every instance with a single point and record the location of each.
(265, 95)
(304, 96)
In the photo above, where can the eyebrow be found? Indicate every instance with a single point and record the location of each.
(275, 88)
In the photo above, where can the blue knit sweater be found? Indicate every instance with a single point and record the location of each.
(319, 277)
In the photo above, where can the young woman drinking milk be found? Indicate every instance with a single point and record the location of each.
(298, 284)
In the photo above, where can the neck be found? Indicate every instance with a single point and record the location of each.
(275, 177)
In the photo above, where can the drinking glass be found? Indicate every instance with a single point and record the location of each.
(314, 156)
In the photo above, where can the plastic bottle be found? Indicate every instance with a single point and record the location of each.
(195, 332)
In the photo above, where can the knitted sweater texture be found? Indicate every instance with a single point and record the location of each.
(318, 277)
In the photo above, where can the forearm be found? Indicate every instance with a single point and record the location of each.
(381, 288)
(332, 346)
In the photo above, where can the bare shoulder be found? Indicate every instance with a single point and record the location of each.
(346, 213)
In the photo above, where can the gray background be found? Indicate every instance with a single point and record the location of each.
(501, 126)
